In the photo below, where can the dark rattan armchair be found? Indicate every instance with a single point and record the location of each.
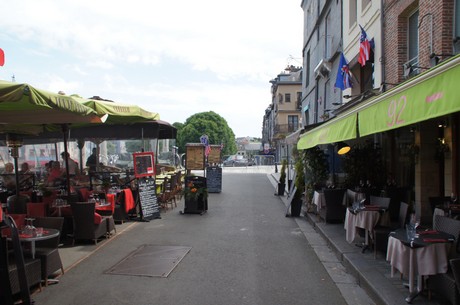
(85, 226)
(381, 233)
(443, 284)
(335, 208)
(47, 250)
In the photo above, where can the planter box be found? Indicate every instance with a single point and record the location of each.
(281, 188)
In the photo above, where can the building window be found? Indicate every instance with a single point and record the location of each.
(293, 123)
(326, 95)
(307, 74)
(327, 37)
(352, 13)
(457, 27)
(412, 38)
(299, 100)
(457, 20)
(280, 98)
(307, 118)
(287, 97)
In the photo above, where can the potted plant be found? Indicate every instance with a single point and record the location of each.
(316, 171)
(194, 193)
(299, 182)
(282, 181)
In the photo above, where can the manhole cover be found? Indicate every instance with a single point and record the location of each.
(150, 260)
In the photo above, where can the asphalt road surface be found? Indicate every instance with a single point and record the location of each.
(243, 251)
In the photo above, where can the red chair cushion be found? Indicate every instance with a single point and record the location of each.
(97, 218)
(38, 209)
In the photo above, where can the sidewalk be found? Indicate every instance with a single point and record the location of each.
(373, 275)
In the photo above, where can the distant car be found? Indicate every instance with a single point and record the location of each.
(236, 160)
(240, 161)
(229, 161)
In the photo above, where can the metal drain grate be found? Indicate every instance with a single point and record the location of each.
(150, 260)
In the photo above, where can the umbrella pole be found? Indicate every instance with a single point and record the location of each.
(81, 144)
(15, 155)
(65, 128)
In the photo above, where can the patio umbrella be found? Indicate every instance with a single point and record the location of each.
(22, 104)
(117, 112)
(118, 116)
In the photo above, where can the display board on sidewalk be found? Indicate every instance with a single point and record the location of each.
(148, 199)
(214, 179)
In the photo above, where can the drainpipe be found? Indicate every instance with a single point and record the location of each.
(382, 24)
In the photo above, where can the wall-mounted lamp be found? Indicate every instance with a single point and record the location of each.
(409, 69)
(342, 148)
(434, 58)
(442, 124)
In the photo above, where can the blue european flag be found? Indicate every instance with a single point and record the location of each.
(343, 80)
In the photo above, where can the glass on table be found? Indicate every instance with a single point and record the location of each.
(39, 231)
(29, 228)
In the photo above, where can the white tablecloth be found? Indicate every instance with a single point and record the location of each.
(363, 219)
(429, 260)
(318, 200)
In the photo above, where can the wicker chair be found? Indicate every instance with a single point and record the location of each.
(455, 266)
(47, 250)
(121, 212)
(31, 268)
(443, 284)
(17, 204)
(381, 233)
(383, 202)
(334, 210)
(84, 226)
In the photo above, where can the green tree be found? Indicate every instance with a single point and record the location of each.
(206, 123)
(133, 146)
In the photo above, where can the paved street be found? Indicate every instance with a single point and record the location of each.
(243, 251)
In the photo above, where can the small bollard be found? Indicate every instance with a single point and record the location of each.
(276, 167)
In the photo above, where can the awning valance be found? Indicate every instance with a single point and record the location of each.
(429, 96)
(335, 130)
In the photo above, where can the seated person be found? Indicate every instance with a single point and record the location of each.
(55, 176)
(8, 177)
(25, 176)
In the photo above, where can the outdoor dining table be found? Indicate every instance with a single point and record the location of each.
(450, 211)
(425, 254)
(32, 238)
(366, 218)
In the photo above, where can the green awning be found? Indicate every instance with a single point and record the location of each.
(432, 94)
(335, 130)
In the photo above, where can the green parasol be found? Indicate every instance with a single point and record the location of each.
(118, 113)
(24, 104)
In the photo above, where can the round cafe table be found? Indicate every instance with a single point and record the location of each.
(30, 238)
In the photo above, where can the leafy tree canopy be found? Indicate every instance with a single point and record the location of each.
(206, 123)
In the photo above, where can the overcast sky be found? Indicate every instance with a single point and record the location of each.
(175, 58)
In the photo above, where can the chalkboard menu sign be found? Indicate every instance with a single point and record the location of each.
(214, 156)
(148, 198)
(214, 179)
(194, 156)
